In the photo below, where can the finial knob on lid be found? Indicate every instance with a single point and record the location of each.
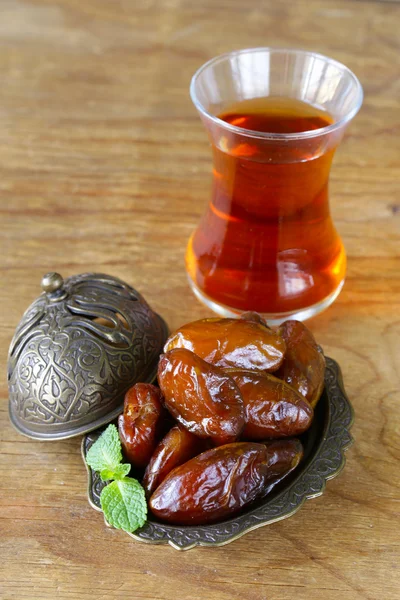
(52, 282)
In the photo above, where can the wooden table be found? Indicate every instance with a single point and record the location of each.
(105, 166)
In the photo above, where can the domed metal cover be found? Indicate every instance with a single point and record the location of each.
(76, 351)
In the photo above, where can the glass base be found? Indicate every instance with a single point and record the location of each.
(272, 318)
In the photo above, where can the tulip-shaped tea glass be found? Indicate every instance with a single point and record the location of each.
(267, 241)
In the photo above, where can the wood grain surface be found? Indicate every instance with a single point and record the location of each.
(105, 166)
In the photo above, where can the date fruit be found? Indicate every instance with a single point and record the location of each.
(219, 482)
(304, 364)
(241, 343)
(283, 458)
(204, 399)
(176, 448)
(140, 424)
(254, 317)
(273, 409)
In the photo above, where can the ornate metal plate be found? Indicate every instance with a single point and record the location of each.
(324, 444)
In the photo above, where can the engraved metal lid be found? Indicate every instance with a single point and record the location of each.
(76, 351)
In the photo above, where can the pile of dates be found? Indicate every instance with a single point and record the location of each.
(233, 394)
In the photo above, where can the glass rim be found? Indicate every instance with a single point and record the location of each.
(270, 135)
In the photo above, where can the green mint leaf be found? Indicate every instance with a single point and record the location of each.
(106, 454)
(124, 504)
(118, 472)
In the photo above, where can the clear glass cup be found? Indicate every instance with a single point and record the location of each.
(267, 241)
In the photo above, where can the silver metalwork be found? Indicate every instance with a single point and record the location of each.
(324, 444)
(53, 286)
(76, 351)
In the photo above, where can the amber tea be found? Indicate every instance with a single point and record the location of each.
(267, 241)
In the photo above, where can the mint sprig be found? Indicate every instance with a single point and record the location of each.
(123, 501)
(105, 455)
(124, 504)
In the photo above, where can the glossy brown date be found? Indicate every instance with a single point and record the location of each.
(254, 317)
(219, 482)
(240, 343)
(273, 409)
(204, 399)
(140, 424)
(304, 364)
(176, 448)
(283, 458)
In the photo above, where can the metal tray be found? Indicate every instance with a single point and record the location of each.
(324, 446)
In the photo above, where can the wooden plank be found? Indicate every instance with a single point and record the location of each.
(104, 165)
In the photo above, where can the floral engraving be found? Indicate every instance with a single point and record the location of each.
(72, 360)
